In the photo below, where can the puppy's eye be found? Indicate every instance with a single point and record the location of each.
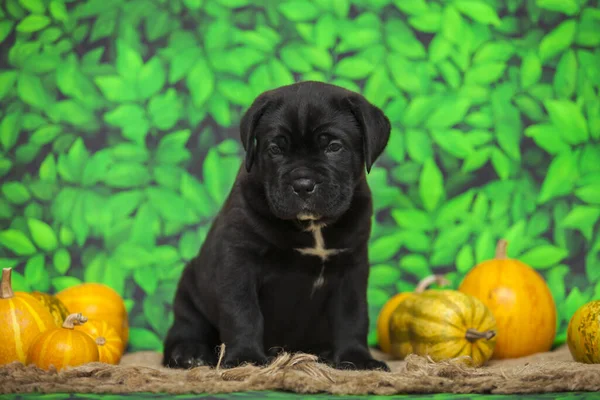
(274, 149)
(334, 147)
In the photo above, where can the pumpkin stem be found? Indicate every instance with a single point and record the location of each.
(473, 335)
(439, 280)
(501, 249)
(74, 319)
(100, 340)
(6, 291)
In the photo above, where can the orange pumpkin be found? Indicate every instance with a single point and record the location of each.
(98, 301)
(56, 307)
(519, 299)
(383, 320)
(22, 318)
(63, 347)
(110, 344)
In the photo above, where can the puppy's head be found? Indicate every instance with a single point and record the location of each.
(308, 144)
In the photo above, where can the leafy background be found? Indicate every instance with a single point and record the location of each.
(119, 139)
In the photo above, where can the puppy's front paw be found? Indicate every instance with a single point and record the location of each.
(187, 355)
(359, 359)
(235, 358)
(366, 364)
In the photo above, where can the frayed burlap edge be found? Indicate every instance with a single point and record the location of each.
(301, 373)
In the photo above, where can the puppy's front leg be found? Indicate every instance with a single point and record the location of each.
(240, 317)
(349, 314)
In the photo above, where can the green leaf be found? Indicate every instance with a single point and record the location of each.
(568, 7)
(556, 282)
(130, 152)
(7, 80)
(485, 246)
(354, 67)
(172, 148)
(36, 274)
(589, 193)
(383, 275)
(325, 31)
(6, 27)
(131, 118)
(72, 112)
(547, 137)
(128, 61)
(465, 260)
(569, 120)
(33, 23)
(16, 242)
(170, 205)
(485, 73)
(197, 195)
(500, 50)
(143, 231)
(115, 88)
(431, 185)
(200, 82)
(557, 40)
(31, 91)
(165, 109)
(560, 178)
(64, 282)
(237, 92)
(146, 279)
(298, 10)
(587, 31)
(189, 245)
(412, 219)
(42, 234)
(418, 145)
(501, 163)
(151, 78)
(453, 25)
(565, 78)
(5, 166)
(544, 256)
(292, 56)
(449, 112)
(62, 261)
(531, 70)
(219, 173)
(45, 134)
(453, 141)
(58, 10)
(415, 264)
(10, 128)
(127, 175)
(401, 39)
(574, 301)
(384, 248)
(16, 192)
(478, 10)
(419, 109)
(429, 22)
(582, 218)
(182, 62)
(439, 48)
(66, 236)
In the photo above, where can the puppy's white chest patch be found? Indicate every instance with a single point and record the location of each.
(319, 250)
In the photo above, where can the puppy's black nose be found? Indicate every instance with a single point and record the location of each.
(304, 187)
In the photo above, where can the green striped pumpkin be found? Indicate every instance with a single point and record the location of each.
(443, 324)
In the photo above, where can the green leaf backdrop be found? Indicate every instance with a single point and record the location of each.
(119, 139)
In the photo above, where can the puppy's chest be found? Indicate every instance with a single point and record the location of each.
(320, 249)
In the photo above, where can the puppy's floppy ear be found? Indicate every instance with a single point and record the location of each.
(375, 128)
(248, 128)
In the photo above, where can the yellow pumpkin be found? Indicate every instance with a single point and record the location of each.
(444, 325)
(63, 346)
(56, 307)
(383, 320)
(98, 301)
(22, 318)
(110, 344)
(583, 333)
(520, 300)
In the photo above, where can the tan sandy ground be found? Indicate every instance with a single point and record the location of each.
(141, 372)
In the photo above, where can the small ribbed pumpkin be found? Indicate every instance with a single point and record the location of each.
(110, 344)
(383, 320)
(520, 300)
(22, 318)
(444, 325)
(56, 307)
(63, 347)
(98, 301)
(583, 334)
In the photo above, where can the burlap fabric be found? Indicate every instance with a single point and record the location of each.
(141, 372)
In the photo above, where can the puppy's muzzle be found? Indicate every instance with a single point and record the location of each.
(304, 187)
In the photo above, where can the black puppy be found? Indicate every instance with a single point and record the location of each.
(285, 265)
